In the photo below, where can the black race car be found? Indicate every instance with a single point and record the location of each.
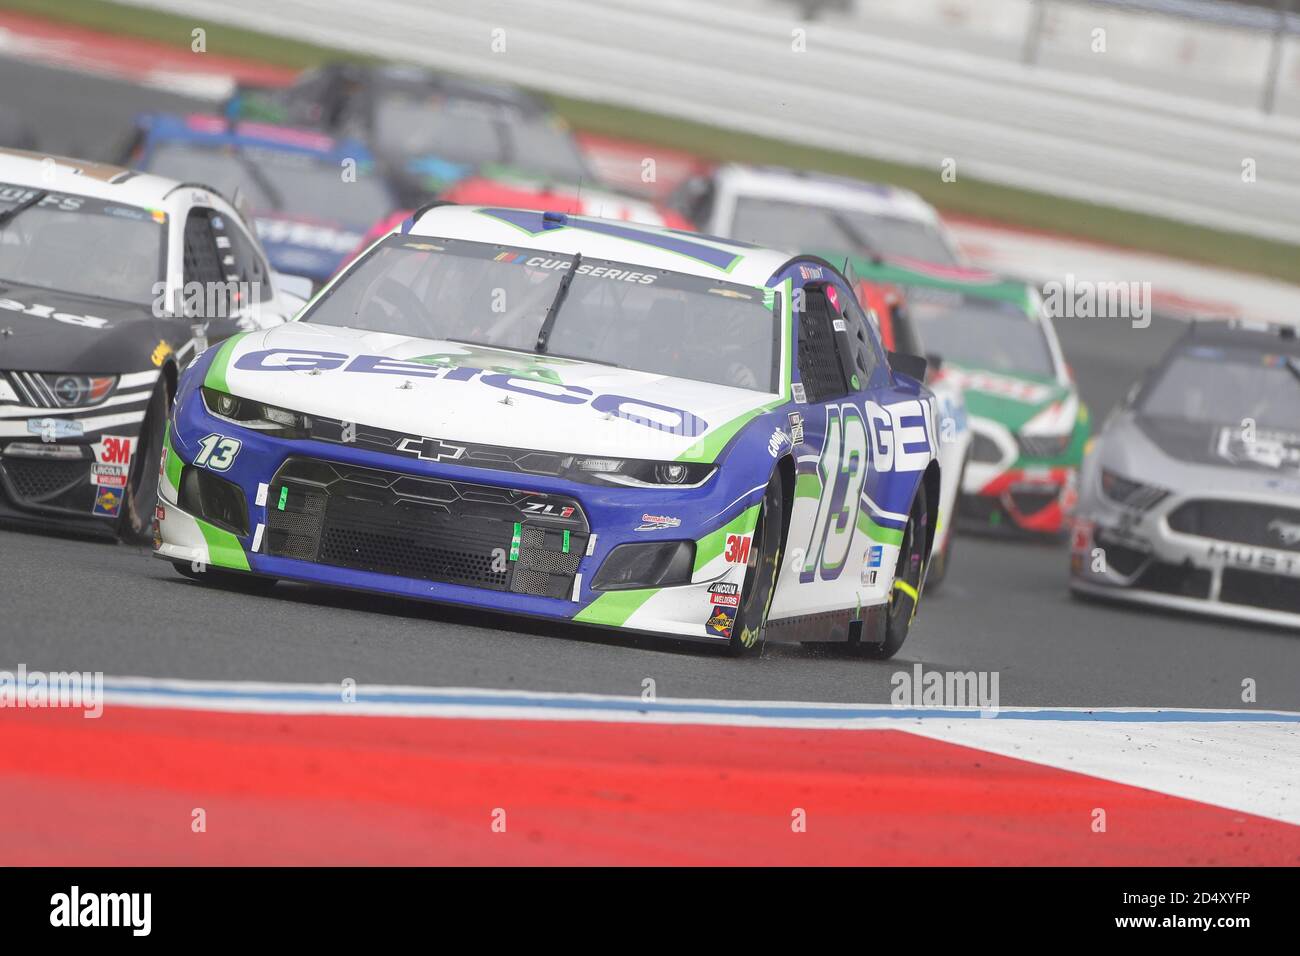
(110, 281)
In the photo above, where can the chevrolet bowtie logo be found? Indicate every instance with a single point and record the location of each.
(430, 449)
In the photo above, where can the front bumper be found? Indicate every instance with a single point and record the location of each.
(1033, 499)
(342, 515)
(1137, 556)
(69, 469)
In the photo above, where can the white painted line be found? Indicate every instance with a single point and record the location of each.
(1247, 767)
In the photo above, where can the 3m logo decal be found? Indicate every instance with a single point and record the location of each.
(115, 450)
(737, 550)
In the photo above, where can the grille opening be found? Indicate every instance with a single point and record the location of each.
(1120, 557)
(36, 478)
(1270, 592)
(1182, 580)
(1245, 522)
(425, 528)
(215, 500)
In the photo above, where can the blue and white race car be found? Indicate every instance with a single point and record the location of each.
(569, 418)
(311, 197)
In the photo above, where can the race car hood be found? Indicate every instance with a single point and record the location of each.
(46, 331)
(452, 391)
(1195, 454)
(1012, 400)
(305, 247)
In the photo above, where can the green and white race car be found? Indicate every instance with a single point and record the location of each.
(996, 342)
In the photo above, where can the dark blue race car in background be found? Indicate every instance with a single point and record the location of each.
(311, 197)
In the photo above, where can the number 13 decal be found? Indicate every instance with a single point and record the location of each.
(217, 453)
(842, 469)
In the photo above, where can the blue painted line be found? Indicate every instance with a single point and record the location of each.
(805, 711)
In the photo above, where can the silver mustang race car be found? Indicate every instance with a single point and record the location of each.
(1190, 497)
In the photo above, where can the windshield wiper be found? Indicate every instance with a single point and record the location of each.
(566, 280)
(8, 215)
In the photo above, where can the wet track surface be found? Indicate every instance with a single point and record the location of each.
(70, 604)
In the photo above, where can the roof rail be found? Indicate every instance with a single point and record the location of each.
(415, 216)
(204, 186)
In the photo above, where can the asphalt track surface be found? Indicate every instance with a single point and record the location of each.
(69, 604)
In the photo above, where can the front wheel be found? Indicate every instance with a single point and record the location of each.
(939, 562)
(760, 572)
(905, 592)
(136, 523)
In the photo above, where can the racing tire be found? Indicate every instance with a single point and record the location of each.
(226, 580)
(905, 591)
(760, 573)
(938, 569)
(135, 526)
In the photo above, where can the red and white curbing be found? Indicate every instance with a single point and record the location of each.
(297, 774)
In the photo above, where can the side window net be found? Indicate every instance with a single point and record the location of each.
(819, 364)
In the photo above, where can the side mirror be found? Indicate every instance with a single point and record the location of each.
(912, 366)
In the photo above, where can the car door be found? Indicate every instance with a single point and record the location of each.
(859, 429)
(831, 460)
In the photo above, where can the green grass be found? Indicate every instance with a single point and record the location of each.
(966, 196)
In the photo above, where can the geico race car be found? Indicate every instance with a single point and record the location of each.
(994, 341)
(570, 418)
(109, 282)
(1190, 496)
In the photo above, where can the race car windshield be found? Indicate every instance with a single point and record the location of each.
(476, 134)
(801, 226)
(614, 313)
(83, 246)
(272, 180)
(1215, 386)
(980, 333)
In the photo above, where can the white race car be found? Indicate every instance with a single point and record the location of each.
(794, 209)
(572, 418)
